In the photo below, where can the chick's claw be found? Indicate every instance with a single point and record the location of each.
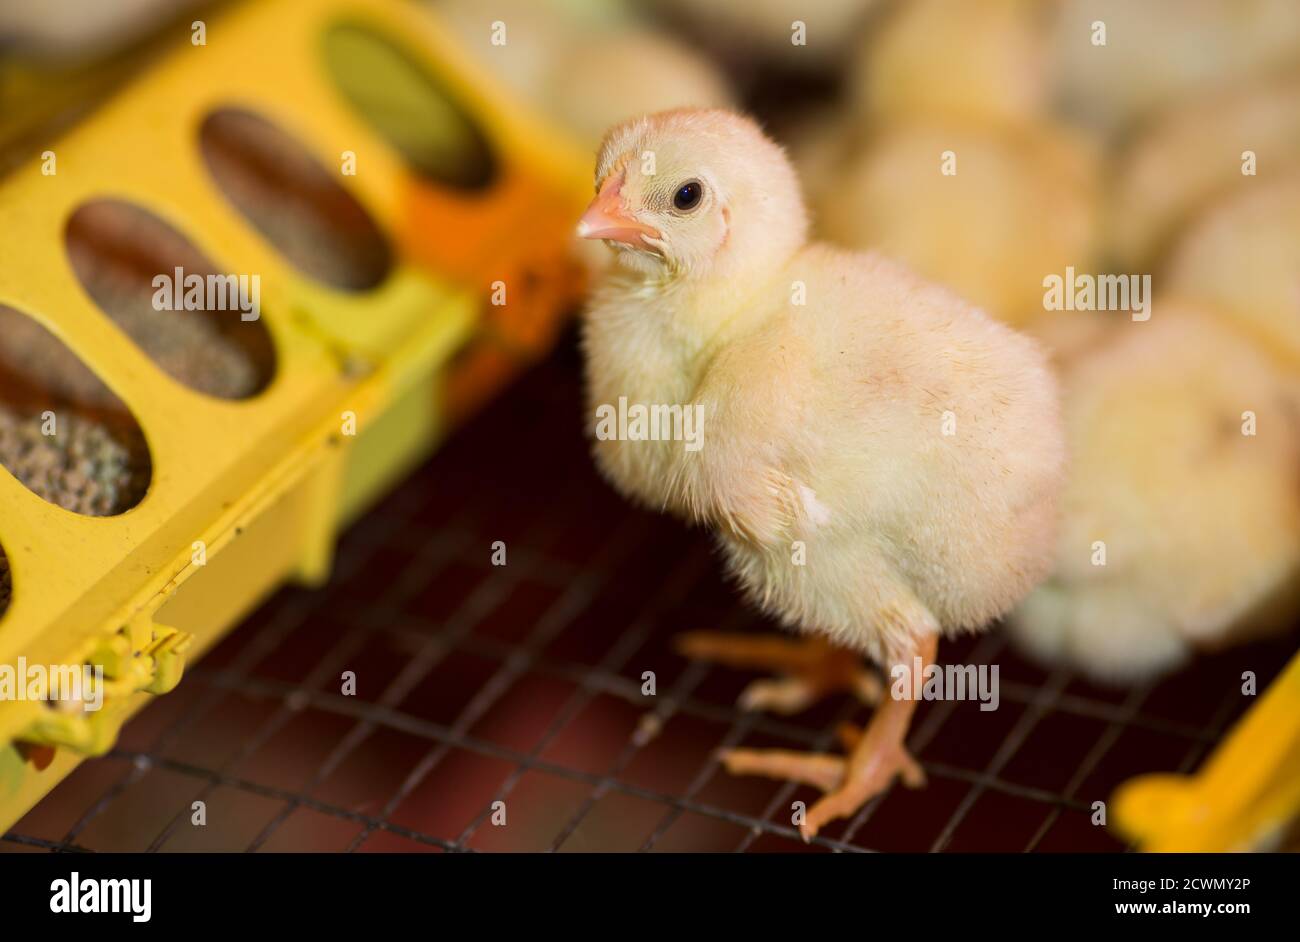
(785, 695)
(806, 768)
(876, 756)
(848, 784)
(861, 785)
(811, 669)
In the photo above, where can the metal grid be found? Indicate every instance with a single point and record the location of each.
(522, 684)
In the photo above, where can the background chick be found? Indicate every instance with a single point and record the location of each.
(630, 72)
(1200, 522)
(756, 34)
(947, 154)
(587, 66)
(1191, 156)
(910, 444)
(1242, 257)
(1021, 203)
(1160, 51)
(955, 59)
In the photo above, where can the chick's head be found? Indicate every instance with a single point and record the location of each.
(695, 193)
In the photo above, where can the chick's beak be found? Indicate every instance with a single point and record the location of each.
(606, 218)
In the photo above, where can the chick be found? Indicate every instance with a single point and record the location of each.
(879, 460)
(986, 211)
(1193, 155)
(1159, 51)
(1181, 518)
(586, 67)
(630, 72)
(950, 159)
(808, 37)
(1243, 257)
(954, 58)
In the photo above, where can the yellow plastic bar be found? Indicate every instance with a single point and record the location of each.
(1244, 797)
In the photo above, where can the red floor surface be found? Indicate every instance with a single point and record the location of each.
(521, 685)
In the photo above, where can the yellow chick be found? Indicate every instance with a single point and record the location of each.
(951, 161)
(1243, 258)
(986, 211)
(1181, 518)
(799, 36)
(630, 72)
(954, 58)
(1114, 61)
(879, 460)
(1203, 150)
(586, 67)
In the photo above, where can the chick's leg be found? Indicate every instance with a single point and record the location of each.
(876, 755)
(811, 668)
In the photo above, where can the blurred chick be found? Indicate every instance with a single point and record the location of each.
(1192, 155)
(628, 73)
(1200, 521)
(1160, 51)
(762, 33)
(586, 71)
(903, 445)
(950, 159)
(1243, 257)
(955, 59)
(1021, 202)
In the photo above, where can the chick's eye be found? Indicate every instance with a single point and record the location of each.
(688, 195)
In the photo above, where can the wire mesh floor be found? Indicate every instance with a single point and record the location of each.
(522, 684)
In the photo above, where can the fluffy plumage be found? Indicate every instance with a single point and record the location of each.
(759, 32)
(950, 159)
(1242, 257)
(1022, 203)
(825, 421)
(955, 59)
(587, 66)
(1200, 522)
(1192, 156)
(1160, 51)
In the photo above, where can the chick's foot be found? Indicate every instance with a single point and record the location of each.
(849, 783)
(875, 757)
(810, 668)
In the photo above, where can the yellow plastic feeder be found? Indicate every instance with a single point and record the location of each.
(245, 494)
